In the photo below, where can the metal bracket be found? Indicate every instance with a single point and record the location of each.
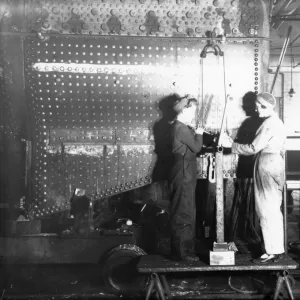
(215, 49)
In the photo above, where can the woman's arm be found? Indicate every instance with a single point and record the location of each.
(194, 142)
(262, 137)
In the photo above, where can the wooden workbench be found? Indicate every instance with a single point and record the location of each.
(157, 266)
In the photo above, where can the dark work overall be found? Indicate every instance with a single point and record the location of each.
(182, 185)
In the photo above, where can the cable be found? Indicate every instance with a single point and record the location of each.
(225, 91)
(243, 291)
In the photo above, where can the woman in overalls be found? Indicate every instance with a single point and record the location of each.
(185, 144)
(268, 177)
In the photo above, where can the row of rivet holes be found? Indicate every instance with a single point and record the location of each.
(61, 121)
(92, 92)
(169, 55)
(105, 138)
(151, 48)
(115, 189)
(256, 45)
(109, 191)
(65, 124)
(79, 91)
(83, 163)
(44, 211)
(116, 82)
(157, 115)
(138, 121)
(101, 70)
(33, 49)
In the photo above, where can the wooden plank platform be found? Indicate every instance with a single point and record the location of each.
(159, 264)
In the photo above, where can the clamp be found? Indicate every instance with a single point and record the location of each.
(211, 45)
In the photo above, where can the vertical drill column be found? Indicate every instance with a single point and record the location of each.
(219, 197)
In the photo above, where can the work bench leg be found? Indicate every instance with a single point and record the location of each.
(150, 288)
(165, 285)
(155, 283)
(159, 287)
(288, 284)
(279, 284)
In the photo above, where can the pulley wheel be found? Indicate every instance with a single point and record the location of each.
(120, 270)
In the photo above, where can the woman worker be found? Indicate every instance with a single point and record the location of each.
(185, 144)
(268, 177)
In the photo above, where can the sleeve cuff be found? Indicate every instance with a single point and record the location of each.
(234, 148)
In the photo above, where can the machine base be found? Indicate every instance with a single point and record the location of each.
(217, 258)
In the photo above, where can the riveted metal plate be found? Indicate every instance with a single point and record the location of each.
(136, 165)
(148, 18)
(83, 89)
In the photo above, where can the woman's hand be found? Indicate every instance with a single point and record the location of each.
(199, 130)
(226, 141)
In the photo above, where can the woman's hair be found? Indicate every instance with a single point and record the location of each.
(184, 102)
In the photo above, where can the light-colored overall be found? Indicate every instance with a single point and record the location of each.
(268, 146)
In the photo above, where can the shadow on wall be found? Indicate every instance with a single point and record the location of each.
(162, 134)
(246, 134)
(244, 222)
